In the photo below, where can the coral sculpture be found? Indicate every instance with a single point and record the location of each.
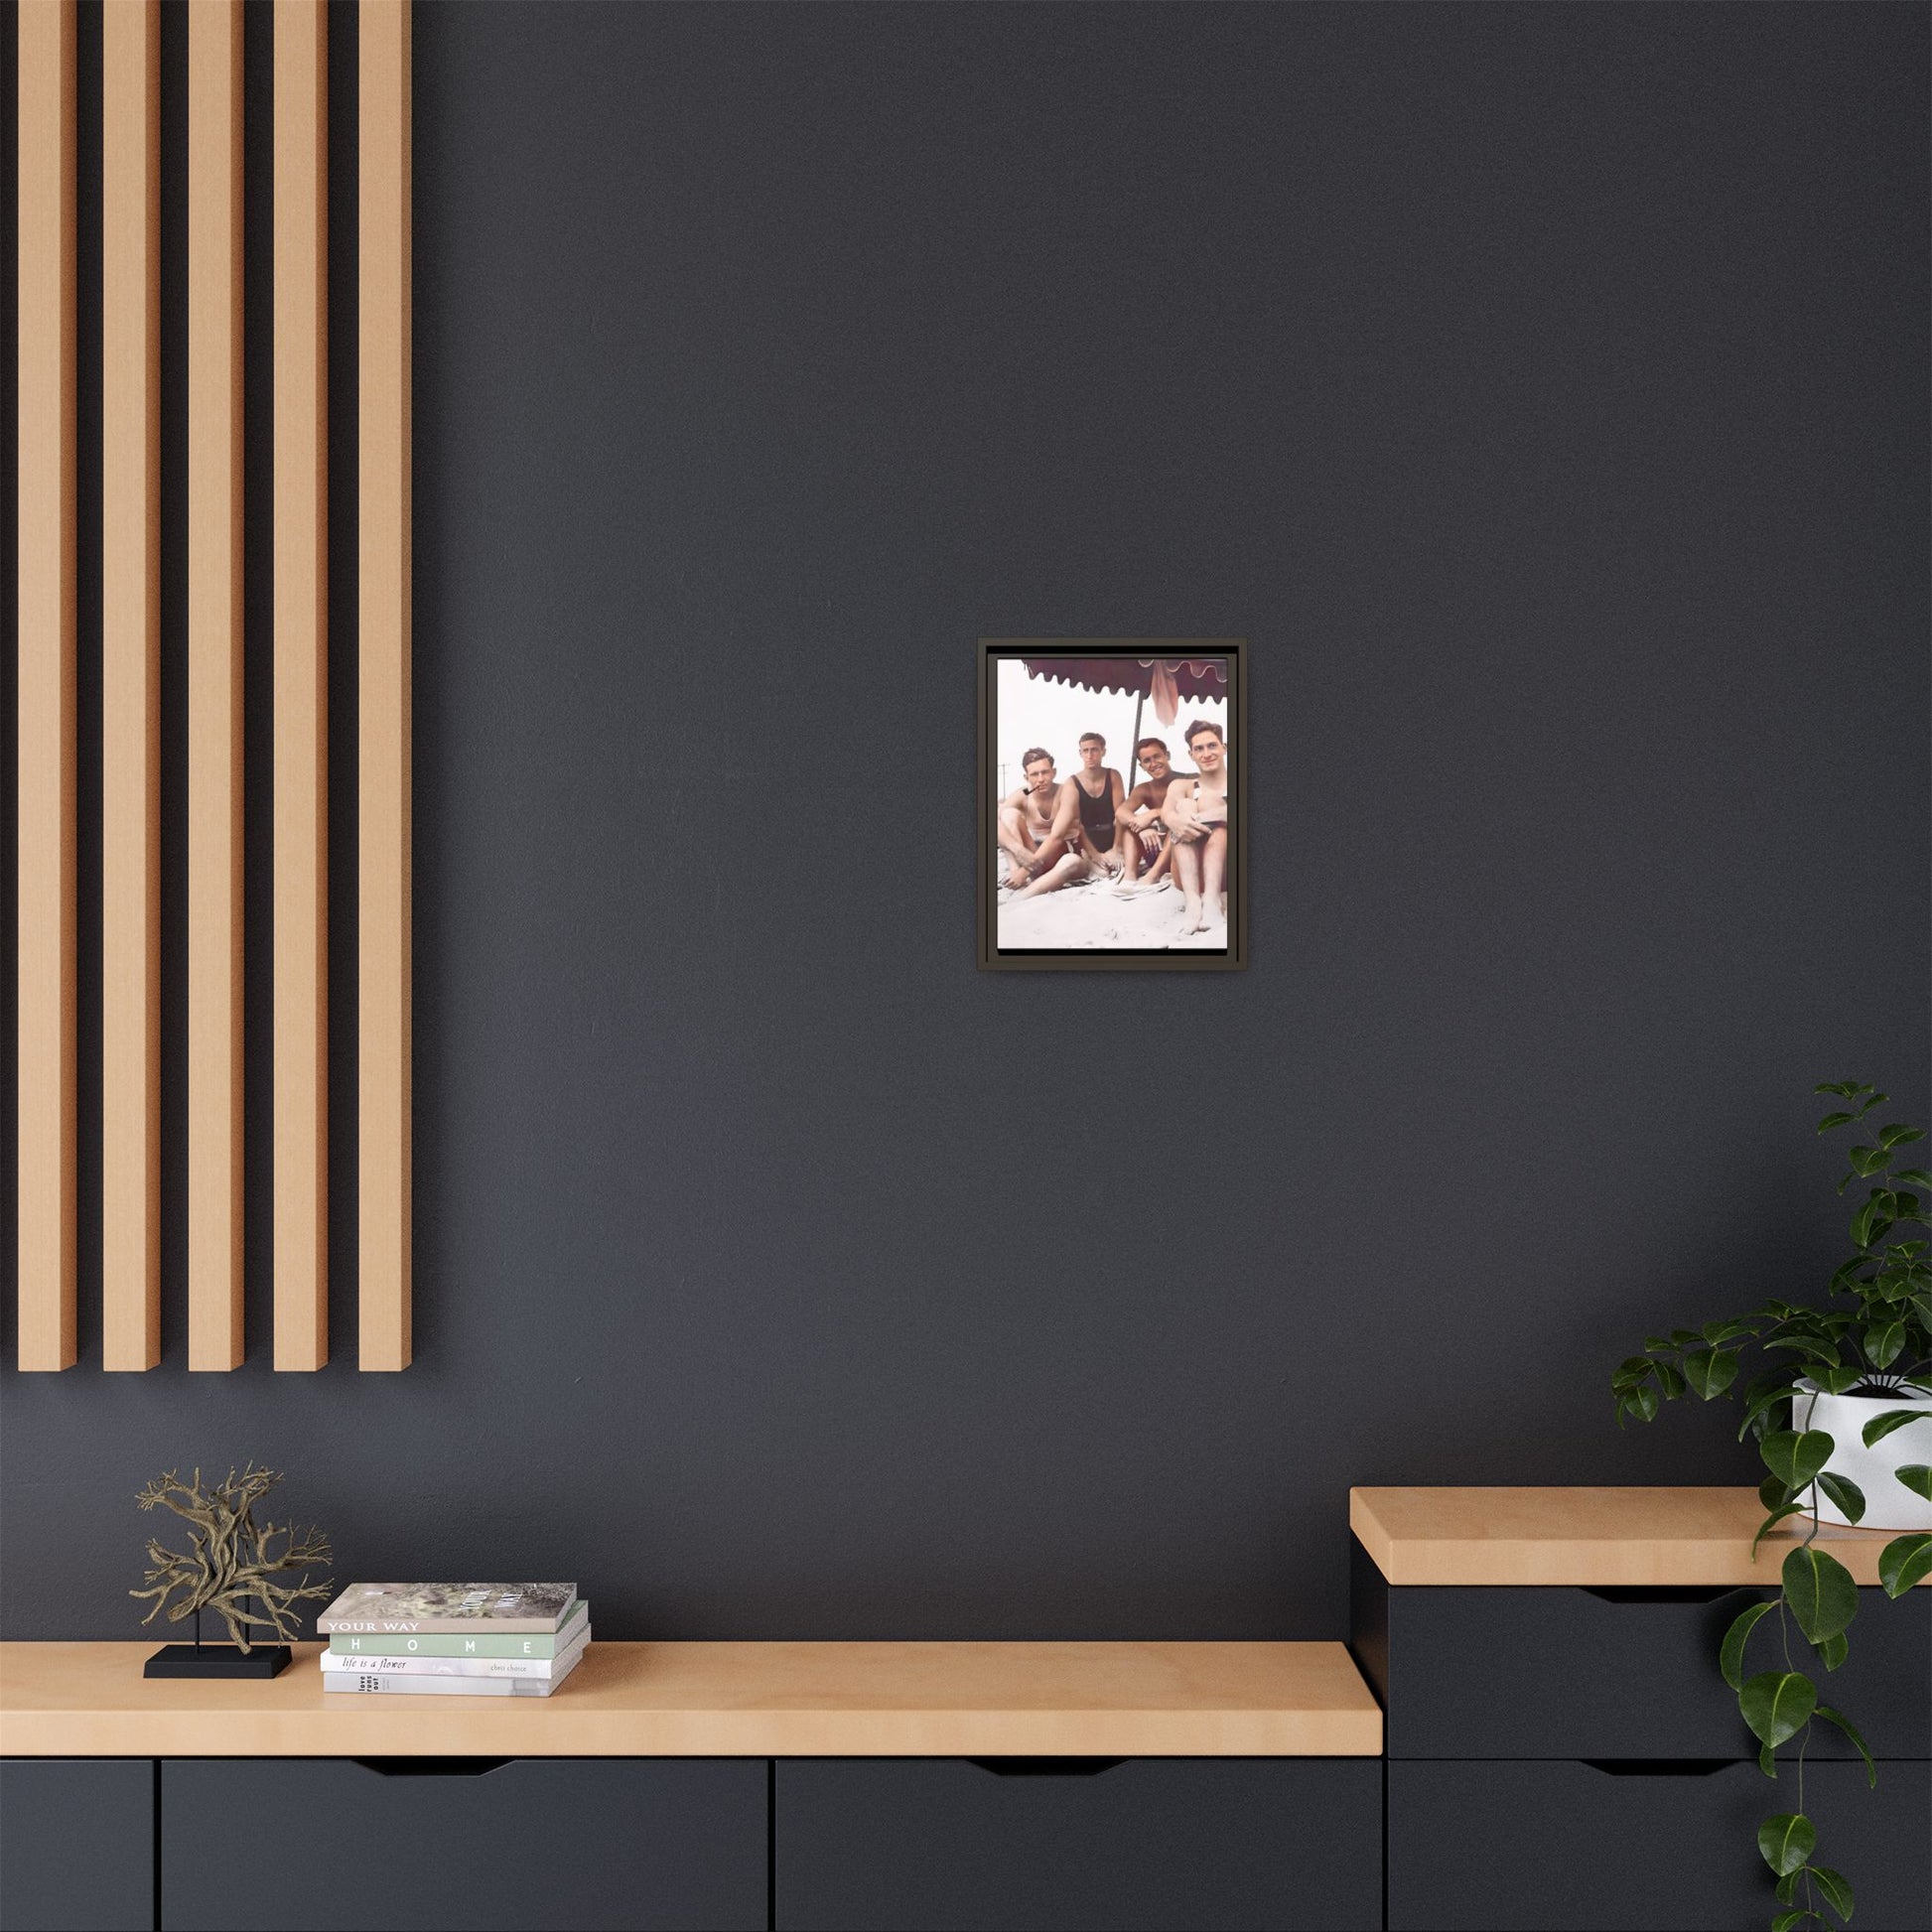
(230, 1559)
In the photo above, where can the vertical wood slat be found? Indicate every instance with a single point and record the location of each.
(46, 943)
(215, 670)
(301, 686)
(131, 684)
(383, 672)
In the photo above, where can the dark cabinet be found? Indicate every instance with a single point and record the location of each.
(77, 1844)
(437, 1842)
(1517, 1673)
(1625, 1846)
(1570, 1759)
(1019, 1844)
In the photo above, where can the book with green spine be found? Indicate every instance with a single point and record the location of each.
(485, 1643)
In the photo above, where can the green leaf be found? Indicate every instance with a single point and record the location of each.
(1846, 1724)
(1777, 1704)
(1872, 1219)
(1917, 1478)
(1820, 1591)
(1731, 1657)
(1834, 1650)
(1710, 1371)
(1914, 1177)
(1836, 1381)
(1671, 1377)
(1837, 1894)
(1641, 1403)
(1899, 1135)
(1786, 1886)
(1844, 1493)
(1772, 1493)
(1771, 1522)
(1720, 1334)
(1789, 1921)
(1765, 1398)
(1796, 1456)
(1829, 1121)
(1868, 1159)
(1904, 1561)
(1787, 1841)
(1879, 1426)
(1878, 1099)
(1767, 1761)
(1883, 1342)
(1843, 1088)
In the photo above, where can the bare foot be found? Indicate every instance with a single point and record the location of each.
(1191, 919)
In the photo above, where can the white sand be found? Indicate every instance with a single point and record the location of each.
(1090, 915)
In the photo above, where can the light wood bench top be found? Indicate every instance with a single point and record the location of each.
(726, 1700)
(1595, 1538)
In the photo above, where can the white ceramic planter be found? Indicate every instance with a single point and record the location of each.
(1889, 1504)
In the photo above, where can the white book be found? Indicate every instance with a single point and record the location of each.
(551, 1668)
(365, 1683)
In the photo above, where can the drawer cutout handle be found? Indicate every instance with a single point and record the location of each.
(1663, 1592)
(1046, 1767)
(1661, 1767)
(431, 1767)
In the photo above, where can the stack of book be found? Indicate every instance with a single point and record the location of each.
(454, 1639)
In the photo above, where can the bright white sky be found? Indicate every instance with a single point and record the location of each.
(1029, 710)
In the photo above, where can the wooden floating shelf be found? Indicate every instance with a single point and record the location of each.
(727, 1700)
(1589, 1538)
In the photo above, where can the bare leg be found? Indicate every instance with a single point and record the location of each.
(1014, 841)
(1105, 860)
(1187, 869)
(1214, 869)
(1133, 880)
(1063, 872)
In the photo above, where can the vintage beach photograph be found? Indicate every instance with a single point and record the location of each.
(1110, 802)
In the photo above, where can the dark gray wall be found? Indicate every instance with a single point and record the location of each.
(1543, 392)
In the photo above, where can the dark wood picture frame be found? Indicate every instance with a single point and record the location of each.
(1231, 958)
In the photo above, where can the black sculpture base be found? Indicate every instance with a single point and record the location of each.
(217, 1660)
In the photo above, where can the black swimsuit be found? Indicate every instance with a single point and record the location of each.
(1097, 814)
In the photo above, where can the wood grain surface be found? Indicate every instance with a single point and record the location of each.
(1593, 1538)
(754, 1699)
(44, 947)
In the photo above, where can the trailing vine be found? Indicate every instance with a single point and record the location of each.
(1882, 1346)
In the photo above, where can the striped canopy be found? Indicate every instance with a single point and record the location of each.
(1195, 677)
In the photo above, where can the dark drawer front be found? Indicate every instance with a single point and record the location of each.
(77, 1844)
(1159, 1843)
(440, 1843)
(1570, 1847)
(1577, 1673)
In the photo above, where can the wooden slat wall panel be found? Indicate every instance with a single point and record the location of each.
(214, 670)
(131, 684)
(301, 686)
(383, 709)
(46, 532)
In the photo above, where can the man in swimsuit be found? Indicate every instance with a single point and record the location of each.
(1094, 792)
(1036, 825)
(1196, 812)
(1143, 833)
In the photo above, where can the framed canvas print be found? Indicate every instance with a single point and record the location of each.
(1113, 804)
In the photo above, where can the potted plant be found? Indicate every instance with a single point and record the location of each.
(1843, 1417)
